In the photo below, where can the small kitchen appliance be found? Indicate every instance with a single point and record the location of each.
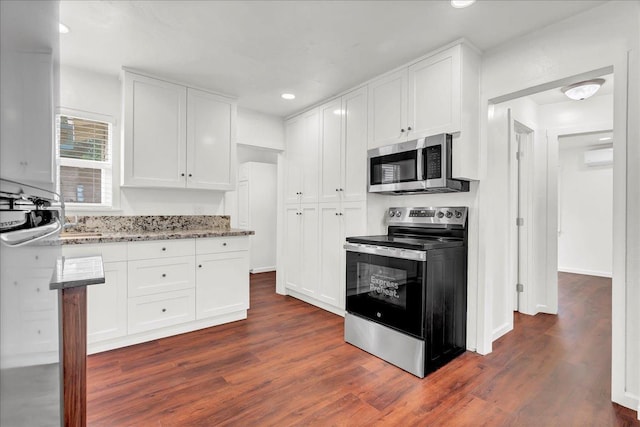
(406, 296)
(419, 166)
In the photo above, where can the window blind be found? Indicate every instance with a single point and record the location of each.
(84, 161)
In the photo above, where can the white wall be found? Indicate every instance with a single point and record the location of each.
(260, 130)
(585, 214)
(598, 38)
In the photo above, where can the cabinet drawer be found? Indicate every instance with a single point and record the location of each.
(111, 252)
(152, 276)
(32, 257)
(158, 311)
(161, 249)
(222, 244)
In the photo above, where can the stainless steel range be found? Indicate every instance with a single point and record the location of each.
(406, 296)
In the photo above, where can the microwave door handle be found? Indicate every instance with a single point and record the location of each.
(420, 173)
(23, 237)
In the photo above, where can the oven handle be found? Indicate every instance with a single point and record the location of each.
(385, 251)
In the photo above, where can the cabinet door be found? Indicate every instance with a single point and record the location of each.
(154, 132)
(222, 283)
(354, 146)
(26, 127)
(292, 250)
(107, 304)
(309, 152)
(329, 288)
(243, 204)
(210, 122)
(434, 94)
(354, 223)
(388, 110)
(294, 136)
(331, 151)
(308, 247)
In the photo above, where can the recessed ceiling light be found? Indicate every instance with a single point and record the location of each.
(459, 4)
(288, 96)
(63, 29)
(582, 90)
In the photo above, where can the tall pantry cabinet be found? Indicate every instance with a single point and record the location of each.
(333, 136)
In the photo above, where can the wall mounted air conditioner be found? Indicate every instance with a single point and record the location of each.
(599, 157)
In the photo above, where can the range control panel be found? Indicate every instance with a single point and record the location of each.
(428, 215)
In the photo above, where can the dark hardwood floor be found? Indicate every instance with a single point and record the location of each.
(287, 364)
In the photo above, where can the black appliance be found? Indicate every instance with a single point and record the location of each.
(406, 296)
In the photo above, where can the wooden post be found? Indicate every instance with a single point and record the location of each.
(74, 355)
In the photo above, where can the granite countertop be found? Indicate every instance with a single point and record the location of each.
(109, 229)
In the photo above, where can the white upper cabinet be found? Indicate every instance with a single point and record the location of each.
(343, 148)
(437, 94)
(302, 136)
(210, 124)
(176, 136)
(388, 109)
(155, 137)
(434, 94)
(26, 126)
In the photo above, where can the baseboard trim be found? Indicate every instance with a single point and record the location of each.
(585, 272)
(500, 331)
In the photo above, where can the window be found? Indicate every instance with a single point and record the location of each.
(84, 161)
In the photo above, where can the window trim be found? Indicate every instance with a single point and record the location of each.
(106, 168)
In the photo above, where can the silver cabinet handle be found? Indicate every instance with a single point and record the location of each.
(23, 237)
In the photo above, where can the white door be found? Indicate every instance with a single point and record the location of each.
(354, 147)
(292, 247)
(154, 132)
(330, 151)
(434, 94)
(210, 121)
(329, 289)
(244, 204)
(294, 139)
(388, 109)
(308, 248)
(309, 153)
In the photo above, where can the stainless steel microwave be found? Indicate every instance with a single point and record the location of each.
(419, 166)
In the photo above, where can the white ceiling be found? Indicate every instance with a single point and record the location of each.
(256, 50)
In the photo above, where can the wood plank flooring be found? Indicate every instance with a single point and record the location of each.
(287, 365)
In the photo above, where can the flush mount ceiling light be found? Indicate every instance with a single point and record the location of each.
(288, 96)
(582, 90)
(459, 4)
(62, 29)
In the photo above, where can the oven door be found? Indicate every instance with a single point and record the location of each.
(387, 286)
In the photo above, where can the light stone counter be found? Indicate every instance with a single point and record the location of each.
(109, 229)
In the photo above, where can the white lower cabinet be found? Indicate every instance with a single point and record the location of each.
(222, 283)
(29, 313)
(156, 311)
(107, 304)
(156, 289)
(337, 221)
(301, 248)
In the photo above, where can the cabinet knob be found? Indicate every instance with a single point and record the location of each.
(199, 265)
(337, 189)
(190, 175)
(164, 310)
(224, 243)
(409, 128)
(164, 275)
(401, 130)
(342, 189)
(340, 214)
(181, 174)
(37, 289)
(164, 249)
